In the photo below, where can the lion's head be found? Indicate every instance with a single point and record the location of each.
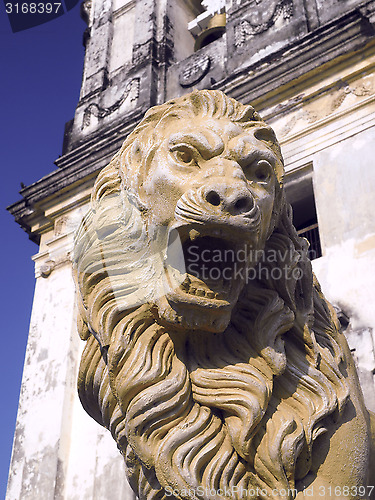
(213, 373)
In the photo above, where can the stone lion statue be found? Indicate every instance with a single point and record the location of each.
(211, 354)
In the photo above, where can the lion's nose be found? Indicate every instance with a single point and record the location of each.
(230, 200)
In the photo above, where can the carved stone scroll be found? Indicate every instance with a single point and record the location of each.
(198, 67)
(263, 17)
(131, 92)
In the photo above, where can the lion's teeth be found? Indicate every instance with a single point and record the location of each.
(193, 234)
(200, 291)
(199, 284)
(176, 274)
(185, 286)
(211, 288)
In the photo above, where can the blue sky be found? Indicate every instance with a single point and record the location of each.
(41, 70)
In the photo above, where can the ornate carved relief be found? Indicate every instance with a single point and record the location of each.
(263, 16)
(46, 264)
(60, 225)
(337, 98)
(47, 268)
(211, 354)
(197, 68)
(131, 92)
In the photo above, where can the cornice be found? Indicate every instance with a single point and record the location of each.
(264, 84)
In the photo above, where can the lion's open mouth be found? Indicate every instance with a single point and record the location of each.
(211, 268)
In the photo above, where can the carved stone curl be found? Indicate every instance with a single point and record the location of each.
(211, 354)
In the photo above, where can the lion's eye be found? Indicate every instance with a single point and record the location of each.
(184, 154)
(262, 171)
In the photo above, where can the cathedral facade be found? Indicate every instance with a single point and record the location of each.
(308, 68)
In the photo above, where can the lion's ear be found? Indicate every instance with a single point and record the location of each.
(132, 160)
(136, 152)
(110, 204)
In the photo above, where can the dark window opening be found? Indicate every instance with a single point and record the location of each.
(209, 25)
(300, 194)
(311, 233)
(195, 6)
(214, 31)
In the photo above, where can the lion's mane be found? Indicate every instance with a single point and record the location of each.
(222, 412)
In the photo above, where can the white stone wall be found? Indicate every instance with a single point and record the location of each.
(332, 126)
(59, 452)
(47, 381)
(123, 19)
(345, 187)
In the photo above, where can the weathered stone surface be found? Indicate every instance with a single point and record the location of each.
(90, 144)
(212, 385)
(317, 92)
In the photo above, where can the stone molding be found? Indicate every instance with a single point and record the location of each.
(247, 28)
(94, 109)
(340, 38)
